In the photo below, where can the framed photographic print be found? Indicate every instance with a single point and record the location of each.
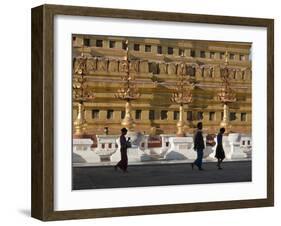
(141, 112)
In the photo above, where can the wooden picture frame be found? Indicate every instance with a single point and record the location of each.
(43, 112)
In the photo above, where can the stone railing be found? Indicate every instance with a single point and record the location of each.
(106, 146)
(246, 145)
(236, 146)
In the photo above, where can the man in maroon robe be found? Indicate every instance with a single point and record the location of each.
(123, 163)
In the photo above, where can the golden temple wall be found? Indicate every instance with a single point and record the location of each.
(155, 74)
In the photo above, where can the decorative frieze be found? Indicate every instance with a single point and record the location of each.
(134, 66)
(172, 68)
(198, 72)
(123, 66)
(181, 69)
(113, 65)
(143, 66)
(91, 64)
(162, 68)
(153, 67)
(102, 65)
(205, 71)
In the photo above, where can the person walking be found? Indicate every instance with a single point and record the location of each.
(198, 146)
(220, 155)
(123, 163)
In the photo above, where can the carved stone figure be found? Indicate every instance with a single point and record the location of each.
(134, 66)
(172, 68)
(198, 73)
(153, 67)
(143, 66)
(113, 66)
(75, 65)
(224, 72)
(232, 73)
(216, 71)
(238, 74)
(207, 72)
(162, 68)
(91, 64)
(102, 64)
(181, 69)
(247, 74)
(211, 72)
(190, 70)
(80, 65)
(123, 66)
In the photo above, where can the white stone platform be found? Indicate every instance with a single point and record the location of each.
(237, 147)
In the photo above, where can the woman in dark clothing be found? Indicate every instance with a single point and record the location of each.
(123, 163)
(219, 150)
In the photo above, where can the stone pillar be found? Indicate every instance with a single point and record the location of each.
(105, 43)
(117, 115)
(187, 52)
(145, 115)
(88, 114)
(236, 57)
(131, 46)
(103, 114)
(175, 51)
(142, 48)
(216, 72)
(217, 55)
(143, 67)
(74, 113)
(248, 117)
(164, 50)
(118, 44)
(170, 115)
(154, 49)
(197, 53)
(217, 116)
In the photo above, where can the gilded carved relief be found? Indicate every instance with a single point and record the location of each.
(202, 72)
(113, 65)
(153, 67)
(162, 68)
(134, 66)
(181, 69)
(123, 66)
(144, 66)
(190, 70)
(198, 72)
(102, 64)
(172, 69)
(92, 64)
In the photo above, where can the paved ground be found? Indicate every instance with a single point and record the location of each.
(161, 174)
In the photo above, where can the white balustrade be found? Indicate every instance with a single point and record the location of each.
(82, 144)
(236, 146)
(106, 146)
(235, 151)
(180, 148)
(246, 145)
(82, 152)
